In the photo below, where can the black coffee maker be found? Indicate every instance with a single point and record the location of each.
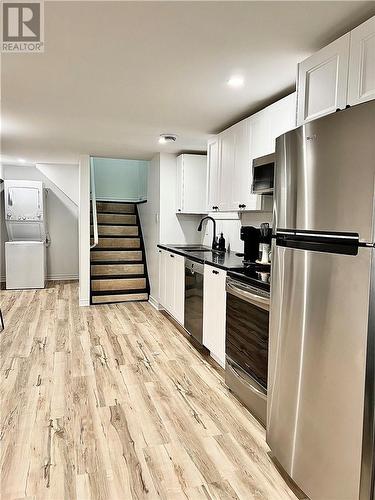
(251, 237)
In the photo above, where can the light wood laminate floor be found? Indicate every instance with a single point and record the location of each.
(112, 402)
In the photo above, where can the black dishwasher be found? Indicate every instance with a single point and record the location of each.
(193, 321)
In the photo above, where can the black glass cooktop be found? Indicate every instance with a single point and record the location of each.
(254, 274)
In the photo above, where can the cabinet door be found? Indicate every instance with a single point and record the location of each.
(162, 277)
(322, 81)
(213, 174)
(194, 183)
(282, 117)
(170, 282)
(362, 63)
(179, 288)
(260, 134)
(227, 159)
(214, 312)
(179, 184)
(241, 175)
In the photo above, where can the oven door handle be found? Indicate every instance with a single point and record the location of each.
(237, 373)
(251, 297)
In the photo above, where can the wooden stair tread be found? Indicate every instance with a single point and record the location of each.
(128, 219)
(115, 207)
(117, 277)
(112, 255)
(119, 297)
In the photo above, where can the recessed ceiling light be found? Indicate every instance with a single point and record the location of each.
(165, 138)
(236, 81)
(22, 160)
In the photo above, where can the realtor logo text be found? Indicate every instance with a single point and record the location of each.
(22, 26)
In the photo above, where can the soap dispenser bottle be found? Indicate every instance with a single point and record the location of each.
(222, 242)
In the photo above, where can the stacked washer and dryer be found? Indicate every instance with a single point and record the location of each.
(25, 219)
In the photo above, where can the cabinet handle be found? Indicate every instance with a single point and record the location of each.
(215, 272)
(170, 255)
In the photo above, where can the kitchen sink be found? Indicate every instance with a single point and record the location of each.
(197, 248)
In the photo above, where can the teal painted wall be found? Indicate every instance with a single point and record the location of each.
(120, 180)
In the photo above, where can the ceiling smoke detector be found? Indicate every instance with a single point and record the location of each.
(167, 138)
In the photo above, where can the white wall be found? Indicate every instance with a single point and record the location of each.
(84, 230)
(149, 214)
(231, 228)
(65, 177)
(62, 221)
(120, 179)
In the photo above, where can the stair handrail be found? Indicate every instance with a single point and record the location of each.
(93, 202)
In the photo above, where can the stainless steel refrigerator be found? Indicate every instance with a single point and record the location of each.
(320, 415)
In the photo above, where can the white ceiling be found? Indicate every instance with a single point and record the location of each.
(114, 75)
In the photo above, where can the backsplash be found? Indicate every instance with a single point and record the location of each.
(231, 227)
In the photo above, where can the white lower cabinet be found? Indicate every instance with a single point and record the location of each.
(214, 312)
(172, 283)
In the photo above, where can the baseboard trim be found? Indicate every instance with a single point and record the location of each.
(53, 277)
(154, 303)
(84, 302)
(62, 277)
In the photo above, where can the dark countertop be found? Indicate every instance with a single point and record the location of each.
(226, 261)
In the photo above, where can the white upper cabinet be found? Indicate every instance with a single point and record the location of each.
(282, 117)
(241, 197)
(230, 156)
(227, 164)
(362, 63)
(260, 134)
(191, 184)
(213, 174)
(322, 81)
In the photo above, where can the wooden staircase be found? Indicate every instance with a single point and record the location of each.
(118, 262)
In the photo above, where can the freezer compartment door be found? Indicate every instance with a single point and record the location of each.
(325, 174)
(317, 358)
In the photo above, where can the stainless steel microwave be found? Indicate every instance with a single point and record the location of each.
(263, 170)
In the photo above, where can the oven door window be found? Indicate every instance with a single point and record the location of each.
(247, 337)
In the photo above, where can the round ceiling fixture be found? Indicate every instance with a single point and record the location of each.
(165, 138)
(236, 81)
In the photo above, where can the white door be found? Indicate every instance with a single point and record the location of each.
(241, 198)
(194, 183)
(213, 174)
(170, 282)
(162, 277)
(214, 312)
(362, 63)
(260, 134)
(179, 184)
(322, 81)
(283, 117)
(227, 159)
(179, 288)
